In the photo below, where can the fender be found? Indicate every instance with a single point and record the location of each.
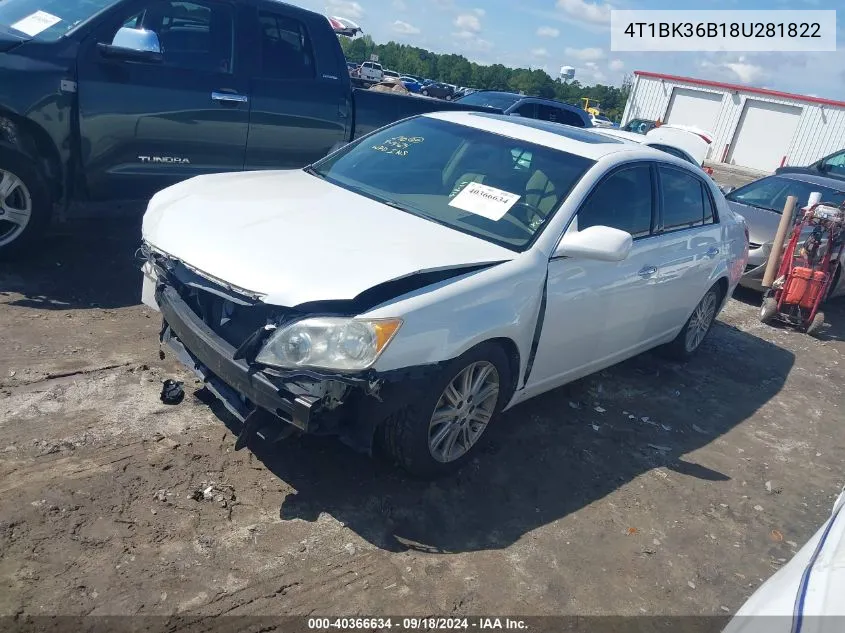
(29, 139)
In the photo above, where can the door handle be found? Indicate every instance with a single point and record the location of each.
(647, 272)
(712, 251)
(229, 97)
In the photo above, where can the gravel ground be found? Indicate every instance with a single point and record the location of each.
(651, 487)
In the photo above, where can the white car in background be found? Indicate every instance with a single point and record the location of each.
(687, 143)
(807, 595)
(412, 285)
(391, 75)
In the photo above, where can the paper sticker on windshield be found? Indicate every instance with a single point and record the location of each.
(398, 145)
(485, 201)
(33, 24)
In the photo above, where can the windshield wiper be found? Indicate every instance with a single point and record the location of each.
(756, 206)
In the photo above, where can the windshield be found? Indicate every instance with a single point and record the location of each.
(490, 100)
(601, 117)
(48, 20)
(771, 193)
(499, 189)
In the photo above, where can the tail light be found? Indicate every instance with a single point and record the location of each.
(747, 237)
(708, 170)
(706, 138)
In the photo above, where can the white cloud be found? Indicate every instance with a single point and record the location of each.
(733, 69)
(582, 10)
(585, 54)
(616, 65)
(468, 22)
(464, 35)
(346, 9)
(547, 31)
(404, 28)
(540, 52)
(400, 5)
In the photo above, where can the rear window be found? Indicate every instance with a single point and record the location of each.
(494, 187)
(48, 20)
(496, 100)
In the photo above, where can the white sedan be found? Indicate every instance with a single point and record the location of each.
(411, 286)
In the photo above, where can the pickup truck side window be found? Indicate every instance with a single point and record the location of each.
(195, 35)
(285, 48)
(527, 110)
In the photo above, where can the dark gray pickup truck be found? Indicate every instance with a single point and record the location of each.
(105, 100)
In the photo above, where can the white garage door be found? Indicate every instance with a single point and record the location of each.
(694, 107)
(763, 135)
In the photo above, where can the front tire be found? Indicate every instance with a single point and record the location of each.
(425, 93)
(697, 327)
(25, 204)
(439, 432)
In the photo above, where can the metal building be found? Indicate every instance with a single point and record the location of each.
(752, 127)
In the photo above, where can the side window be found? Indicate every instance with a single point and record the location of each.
(623, 201)
(193, 35)
(285, 48)
(527, 110)
(683, 200)
(559, 115)
(835, 164)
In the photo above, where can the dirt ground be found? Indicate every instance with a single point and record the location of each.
(651, 487)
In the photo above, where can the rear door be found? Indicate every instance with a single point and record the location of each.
(299, 105)
(690, 240)
(144, 125)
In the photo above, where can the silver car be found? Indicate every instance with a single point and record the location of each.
(761, 203)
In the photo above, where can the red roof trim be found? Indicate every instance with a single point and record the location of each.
(761, 91)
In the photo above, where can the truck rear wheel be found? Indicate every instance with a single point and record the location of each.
(25, 204)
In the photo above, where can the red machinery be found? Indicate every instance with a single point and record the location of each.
(807, 269)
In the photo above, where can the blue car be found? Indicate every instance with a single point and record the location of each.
(411, 84)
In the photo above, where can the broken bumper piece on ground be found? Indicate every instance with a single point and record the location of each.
(271, 406)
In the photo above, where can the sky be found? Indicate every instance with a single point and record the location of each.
(549, 34)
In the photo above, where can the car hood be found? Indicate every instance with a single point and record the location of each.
(762, 224)
(294, 238)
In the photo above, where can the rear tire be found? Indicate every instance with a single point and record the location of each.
(768, 310)
(697, 327)
(425, 93)
(816, 324)
(440, 431)
(25, 203)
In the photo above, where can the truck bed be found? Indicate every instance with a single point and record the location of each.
(374, 109)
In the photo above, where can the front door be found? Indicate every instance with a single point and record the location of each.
(598, 313)
(299, 110)
(147, 125)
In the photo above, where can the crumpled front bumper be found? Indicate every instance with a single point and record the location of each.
(246, 389)
(230, 379)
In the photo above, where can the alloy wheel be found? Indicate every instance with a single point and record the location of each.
(15, 207)
(463, 411)
(700, 321)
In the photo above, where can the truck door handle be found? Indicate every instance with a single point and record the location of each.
(229, 97)
(647, 272)
(712, 251)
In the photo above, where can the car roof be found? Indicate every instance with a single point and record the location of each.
(824, 181)
(566, 138)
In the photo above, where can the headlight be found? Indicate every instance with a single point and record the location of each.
(329, 343)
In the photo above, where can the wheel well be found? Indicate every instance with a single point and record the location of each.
(722, 285)
(512, 352)
(32, 141)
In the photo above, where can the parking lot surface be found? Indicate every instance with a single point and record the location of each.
(651, 487)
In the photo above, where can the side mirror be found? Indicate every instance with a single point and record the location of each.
(602, 243)
(726, 189)
(137, 45)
